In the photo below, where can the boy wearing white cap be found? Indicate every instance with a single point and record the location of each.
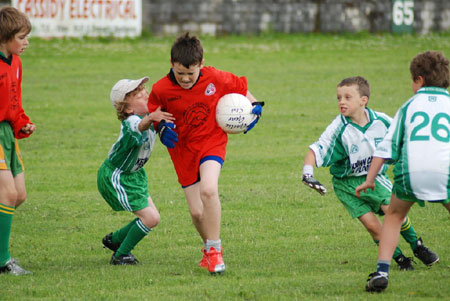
(121, 179)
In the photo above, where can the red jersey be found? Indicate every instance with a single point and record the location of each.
(199, 135)
(11, 95)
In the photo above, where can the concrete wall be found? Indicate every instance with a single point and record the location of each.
(219, 17)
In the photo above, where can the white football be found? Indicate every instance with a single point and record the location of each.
(234, 113)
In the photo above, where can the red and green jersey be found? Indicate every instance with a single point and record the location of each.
(11, 95)
(199, 136)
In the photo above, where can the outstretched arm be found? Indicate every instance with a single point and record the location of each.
(375, 167)
(155, 116)
(308, 173)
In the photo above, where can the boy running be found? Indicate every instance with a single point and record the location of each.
(190, 92)
(419, 143)
(14, 124)
(347, 146)
(121, 179)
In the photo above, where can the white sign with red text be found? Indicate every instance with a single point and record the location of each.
(78, 18)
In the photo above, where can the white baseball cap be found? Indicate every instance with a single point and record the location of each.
(124, 86)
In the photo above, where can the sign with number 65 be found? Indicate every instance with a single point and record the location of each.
(402, 16)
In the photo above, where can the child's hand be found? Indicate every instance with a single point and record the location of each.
(158, 115)
(311, 182)
(257, 110)
(166, 133)
(29, 128)
(364, 186)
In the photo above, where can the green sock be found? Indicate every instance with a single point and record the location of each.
(6, 215)
(137, 232)
(119, 235)
(409, 234)
(397, 251)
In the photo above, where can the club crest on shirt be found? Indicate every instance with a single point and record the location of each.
(377, 141)
(210, 90)
(354, 149)
(196, 115)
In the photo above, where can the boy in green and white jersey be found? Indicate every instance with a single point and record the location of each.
(418, 142)
(347, 146)
(121, 179)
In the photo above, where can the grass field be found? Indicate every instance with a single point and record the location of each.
(282, 241)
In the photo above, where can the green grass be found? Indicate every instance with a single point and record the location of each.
(281, 240)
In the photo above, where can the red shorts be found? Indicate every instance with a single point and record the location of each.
(187, 158)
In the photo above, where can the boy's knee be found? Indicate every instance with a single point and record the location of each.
(20, 198)
(151, 219)
(196, 214)
(9, 197)
(209, 194)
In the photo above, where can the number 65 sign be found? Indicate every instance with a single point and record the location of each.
(402, 16)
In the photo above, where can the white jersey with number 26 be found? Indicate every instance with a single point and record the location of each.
(418, 141)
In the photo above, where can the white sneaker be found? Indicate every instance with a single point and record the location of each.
(12, 267)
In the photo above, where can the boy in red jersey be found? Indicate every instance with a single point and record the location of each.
(197, 145)
(14, 124)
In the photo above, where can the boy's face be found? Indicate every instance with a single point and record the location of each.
(350, 102)
(186, 77)
(137, 102)
(17, 44)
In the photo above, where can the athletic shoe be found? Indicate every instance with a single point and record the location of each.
(12, 267)
(123, 260)
(405, 263)
(377, 282)
(425, 255)
(215, 261)
(107, 243)
(204, 262)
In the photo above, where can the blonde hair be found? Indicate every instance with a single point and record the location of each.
(12, 22)
(121, 106)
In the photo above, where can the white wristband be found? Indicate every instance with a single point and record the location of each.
(308, 169)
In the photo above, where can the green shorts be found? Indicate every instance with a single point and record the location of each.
(409, 197)
(123, 191)
(370, 201)
(9, 150)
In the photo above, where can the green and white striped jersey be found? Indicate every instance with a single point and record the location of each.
(347, 147)
(418, 142)
(133, 148)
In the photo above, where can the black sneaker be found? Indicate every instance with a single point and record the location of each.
(405, 263)
(377, 282)
(425, 255)
(12, 267)
(123, 260)
(107, 243)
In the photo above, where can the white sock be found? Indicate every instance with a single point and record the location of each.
(216, 244)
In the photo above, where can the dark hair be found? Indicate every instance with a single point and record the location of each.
(12, 22)
(433, 67)
(361, 82)
(187, 51)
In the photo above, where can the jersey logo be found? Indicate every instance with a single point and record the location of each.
(210, 90)
(173, 98)
(377, 141)
(354, 149)
(432, 98)
(196, 115)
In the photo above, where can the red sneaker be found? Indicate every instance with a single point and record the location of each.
(204, 262)
(215, 261)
